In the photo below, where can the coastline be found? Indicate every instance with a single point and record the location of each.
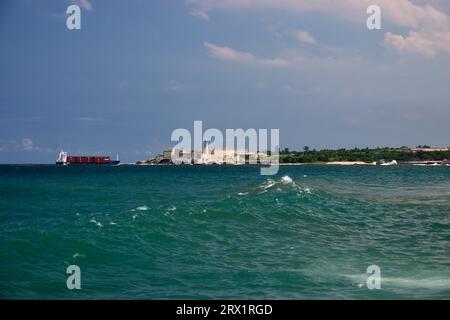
(331, 157)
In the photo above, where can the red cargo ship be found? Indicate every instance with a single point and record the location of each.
(64, 159)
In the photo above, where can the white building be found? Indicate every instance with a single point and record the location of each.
(218, 156)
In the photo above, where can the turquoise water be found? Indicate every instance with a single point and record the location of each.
(161, 232)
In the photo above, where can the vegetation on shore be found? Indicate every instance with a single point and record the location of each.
(364, 155)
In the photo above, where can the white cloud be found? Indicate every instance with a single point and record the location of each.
(7, 145)
(424, 43)
(227, 53)
(27, 144)
(90, 119)
(304, 37)
(201, 14)
(430, 32)
(402, 12)
(230, 54)
(294, 58)
(428, 27)
(84, 4)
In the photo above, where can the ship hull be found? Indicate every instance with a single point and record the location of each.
(87, 160)
(112, 163)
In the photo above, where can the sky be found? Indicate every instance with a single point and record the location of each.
(137, 70)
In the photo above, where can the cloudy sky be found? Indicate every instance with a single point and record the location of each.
(138, 69)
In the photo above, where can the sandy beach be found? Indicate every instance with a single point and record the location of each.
(348, 163)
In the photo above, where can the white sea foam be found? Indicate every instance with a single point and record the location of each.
(96, 222)
(242, 193)
(141, 208)
(437, 283)
(286, 180)
(172, 208)
(134, 217)
(268, 184)
(426, 283)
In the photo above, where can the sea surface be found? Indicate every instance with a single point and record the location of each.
(215, 232)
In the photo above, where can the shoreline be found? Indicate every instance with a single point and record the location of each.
(325, 164)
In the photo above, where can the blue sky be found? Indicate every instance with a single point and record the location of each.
(137, 70)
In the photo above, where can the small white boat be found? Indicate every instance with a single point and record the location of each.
(391, 163)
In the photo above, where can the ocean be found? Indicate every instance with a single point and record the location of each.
(224, 232)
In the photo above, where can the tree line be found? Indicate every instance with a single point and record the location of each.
(356, 154)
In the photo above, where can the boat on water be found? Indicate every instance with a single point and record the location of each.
(64, 159)
(390, 163)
